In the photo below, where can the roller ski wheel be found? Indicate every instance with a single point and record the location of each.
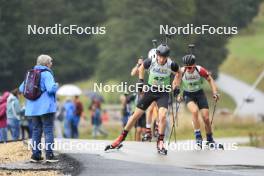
(117, 144)
(147, 136)
(161, 149)
(213, 145)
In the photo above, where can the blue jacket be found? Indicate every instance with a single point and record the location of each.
(96, 119)
(46, 103)
(69, 108)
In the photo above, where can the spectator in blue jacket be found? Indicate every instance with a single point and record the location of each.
(97, 121)
(13, 114)
(69, 108)
(42, 110)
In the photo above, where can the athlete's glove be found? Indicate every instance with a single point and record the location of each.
(216, 96)
(140, 85)
(176, 91)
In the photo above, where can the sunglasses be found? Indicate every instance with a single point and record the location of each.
(189, 67)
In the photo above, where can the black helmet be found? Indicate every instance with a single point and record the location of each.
(163, 50)
(188, 60)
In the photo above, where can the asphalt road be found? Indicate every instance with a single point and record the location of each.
(239, 90)
(142, 159)
(95, 165)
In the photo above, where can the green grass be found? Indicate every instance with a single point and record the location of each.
(224, 126)
(225, 100)
(246, 52)
(113, 131)
(246, 70)
(256, 140)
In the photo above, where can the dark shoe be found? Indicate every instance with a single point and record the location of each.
(117, 142)
(147, 136)
(161, 148)
(110, 147)
(51, 158)
(199, 143)
(214, 145)
(36, 159)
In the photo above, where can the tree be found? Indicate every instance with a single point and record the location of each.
(131, 27)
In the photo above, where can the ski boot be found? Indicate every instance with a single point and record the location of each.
(199, 143)
(160, 145)
(117, 144)
(198, 139)
(211, 143)
(147, 136)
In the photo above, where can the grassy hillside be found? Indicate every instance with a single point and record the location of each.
(224, 126)
(246, 52)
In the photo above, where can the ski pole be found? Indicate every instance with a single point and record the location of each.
(213, 112)
(178, 103)
(173, 122)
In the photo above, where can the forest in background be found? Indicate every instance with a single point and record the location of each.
(130, 27)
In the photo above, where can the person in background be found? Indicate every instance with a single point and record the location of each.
(140, 125)
(3, 120)
(78, 115)
(42, 109)
(105, 117)
(13, 114)
(69, 108)
(97, 121)
(24, 124)
(59, 116)
(145, 131)
(126, 101)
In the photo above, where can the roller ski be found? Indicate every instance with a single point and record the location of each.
(117, 144)
(110, 147)
(160, 146)
(147, 136)
(213, 145)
